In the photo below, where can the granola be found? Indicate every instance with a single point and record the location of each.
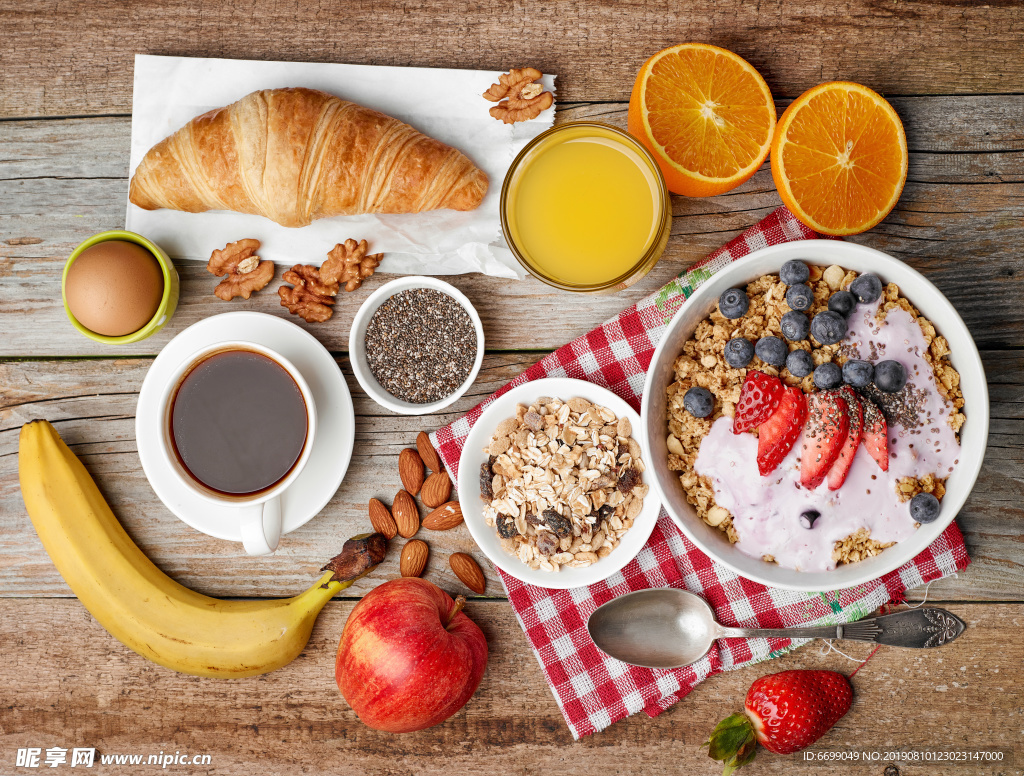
(702, 363)
(562, 483)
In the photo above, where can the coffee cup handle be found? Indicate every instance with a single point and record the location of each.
(261, 527)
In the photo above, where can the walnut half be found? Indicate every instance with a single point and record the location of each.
(348, 263)
(241, 268)
(520, 98)
(308, 297)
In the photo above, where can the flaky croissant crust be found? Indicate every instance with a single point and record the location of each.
(296, 155)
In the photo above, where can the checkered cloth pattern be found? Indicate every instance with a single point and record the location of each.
(594, 690)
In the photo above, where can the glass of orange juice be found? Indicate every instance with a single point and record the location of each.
(584, 207)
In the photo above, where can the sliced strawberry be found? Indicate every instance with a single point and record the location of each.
(837, 474)
(828, 421)
(777, 435)
(759, 397)
(876, 434)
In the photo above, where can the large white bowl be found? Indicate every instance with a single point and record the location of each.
(473, 456)
(932, 304)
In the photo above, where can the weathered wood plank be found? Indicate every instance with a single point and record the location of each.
(92, 403)
(61, 59)
(76, 686)
(61, 181)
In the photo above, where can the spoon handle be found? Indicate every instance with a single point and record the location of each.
(915, 628)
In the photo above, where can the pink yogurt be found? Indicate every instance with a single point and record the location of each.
(766, 510)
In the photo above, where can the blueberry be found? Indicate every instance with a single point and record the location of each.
(828, 376)
(807, 518)
(842, 302)
(800, 297)
(799, 363)
(795, 326)
(867, 288)
(733, 303)
(793, 272)
(699, 402)
(738, 352)
(858, 373)
(890, 376)
(924, 508)
(772, 351)
(828, 327)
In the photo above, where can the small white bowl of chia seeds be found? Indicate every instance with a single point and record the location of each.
(416, 345)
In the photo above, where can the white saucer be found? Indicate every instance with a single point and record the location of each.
(332, 448)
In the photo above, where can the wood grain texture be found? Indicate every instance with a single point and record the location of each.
(953, 70)
(97, 420)
(61, 181)
(76, 686)
(76, 58)
(92, 404)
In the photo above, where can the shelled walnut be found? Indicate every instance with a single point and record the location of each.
(518, 95)
(243, 272)
(308, 296)
(348, 263)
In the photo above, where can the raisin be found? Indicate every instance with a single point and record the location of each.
(532, 519)
(547, 543)
(603, 514)
(506, 527)
(558, 524)
(628, 480)
(486, 477)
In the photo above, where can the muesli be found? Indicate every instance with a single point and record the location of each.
(814, 417)
(563, 483)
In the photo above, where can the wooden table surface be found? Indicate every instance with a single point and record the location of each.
(953, 70)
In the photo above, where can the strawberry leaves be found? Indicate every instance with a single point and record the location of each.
(732, 742)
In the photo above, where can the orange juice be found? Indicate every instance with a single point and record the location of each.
(585, 208)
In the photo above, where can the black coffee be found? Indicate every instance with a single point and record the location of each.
(238, 422)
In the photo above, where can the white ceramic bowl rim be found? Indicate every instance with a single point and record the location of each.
(964, 357)
(469, 494)
(357, 344)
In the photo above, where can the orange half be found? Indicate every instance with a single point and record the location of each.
(839, 158)
(705, 114)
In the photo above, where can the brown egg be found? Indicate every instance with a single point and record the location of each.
(114, 287)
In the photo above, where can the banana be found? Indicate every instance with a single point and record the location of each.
(141, 606)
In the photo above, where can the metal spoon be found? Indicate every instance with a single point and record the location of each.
(670, 628)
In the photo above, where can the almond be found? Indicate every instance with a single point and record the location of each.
(437, 489)
(407, 514)
(444, 517)
(414, 558)
(381, 519)
(410, 470)
(468, 570)
(428, 453)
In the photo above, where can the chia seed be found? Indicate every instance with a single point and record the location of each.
(904, 408)
(420, 345)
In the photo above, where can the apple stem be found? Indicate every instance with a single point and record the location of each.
(460, 601)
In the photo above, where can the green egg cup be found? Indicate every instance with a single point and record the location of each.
(168, 300)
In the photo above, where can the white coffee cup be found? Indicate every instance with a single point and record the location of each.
(259, 514)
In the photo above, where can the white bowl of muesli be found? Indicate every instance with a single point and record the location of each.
(815, 415)
(554, 473)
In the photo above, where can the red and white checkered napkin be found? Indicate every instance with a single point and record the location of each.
(592, 689)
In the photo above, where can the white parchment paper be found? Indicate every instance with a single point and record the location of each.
(445, 104)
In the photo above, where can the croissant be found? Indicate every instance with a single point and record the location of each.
(296, 155)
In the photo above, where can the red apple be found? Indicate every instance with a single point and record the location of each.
(408, 657)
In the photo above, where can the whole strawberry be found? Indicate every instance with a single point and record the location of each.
(786, 712)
